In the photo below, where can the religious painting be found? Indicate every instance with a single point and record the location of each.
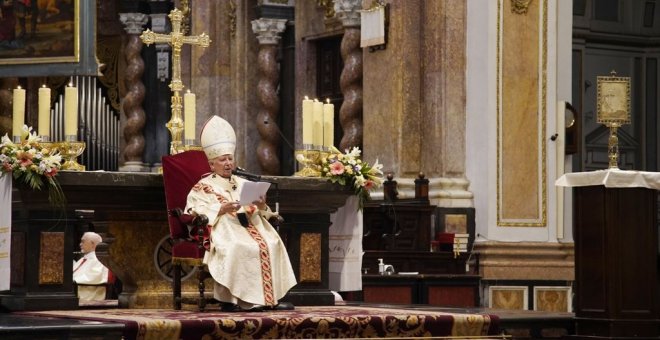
(552, 299)
(508, 297)
(456, 223)
(613, 99)
(39, 31)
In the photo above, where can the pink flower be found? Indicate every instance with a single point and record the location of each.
(50, 172)
(336, 168)
(368, 184)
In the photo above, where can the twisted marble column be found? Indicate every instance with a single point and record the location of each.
(267, 31)
(350, 81)
(132, 102)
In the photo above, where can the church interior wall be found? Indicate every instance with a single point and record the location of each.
(520, 255)
(431, 101)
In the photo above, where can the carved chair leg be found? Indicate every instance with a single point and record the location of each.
(176, 286)
(201, 303)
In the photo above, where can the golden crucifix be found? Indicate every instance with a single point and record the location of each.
(176, 39)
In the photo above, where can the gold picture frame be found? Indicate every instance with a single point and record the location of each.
(44, 32)
(48, 38)
(613, 98)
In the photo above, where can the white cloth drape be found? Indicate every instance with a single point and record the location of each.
(345, 242)
(611, 178)
(5, 230)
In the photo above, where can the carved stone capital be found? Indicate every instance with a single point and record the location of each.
(159, 23)
(133, 22)
(268, 30)
(348, 12)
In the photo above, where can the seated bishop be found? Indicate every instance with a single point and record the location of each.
(247, 259)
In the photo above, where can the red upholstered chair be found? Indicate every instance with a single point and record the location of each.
(180, 173)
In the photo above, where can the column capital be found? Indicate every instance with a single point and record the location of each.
(133, 22)
(160, 23)
(348, 12)
(268, 30)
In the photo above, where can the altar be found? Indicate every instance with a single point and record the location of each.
(128, 210)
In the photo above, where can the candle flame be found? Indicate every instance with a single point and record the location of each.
(71, 84)
(44, 85)
(306, 98)
(328, 100)
(18, 87)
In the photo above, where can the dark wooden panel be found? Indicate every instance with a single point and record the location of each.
(616, 254)
(388, 294)
(448, 296)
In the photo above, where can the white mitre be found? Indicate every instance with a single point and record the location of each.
(218, 138)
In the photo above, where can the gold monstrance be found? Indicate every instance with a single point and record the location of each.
(613, 100)
(176, 39)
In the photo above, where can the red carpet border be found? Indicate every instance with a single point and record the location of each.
(303, 322)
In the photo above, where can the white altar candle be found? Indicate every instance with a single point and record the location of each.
(317, 138)
(18, 112)
(307, 121)
(189, 108)
(71, 111)
(328, 124)
(44, 111)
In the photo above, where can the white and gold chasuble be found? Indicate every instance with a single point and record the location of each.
(89, 270)
(249, 265)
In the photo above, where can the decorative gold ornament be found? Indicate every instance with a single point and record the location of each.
(520, 6)
(70, 150)
(310, 161)
(176, 39)
(329, 6)
(613, 110)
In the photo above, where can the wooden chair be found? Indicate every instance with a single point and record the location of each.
(180, 173)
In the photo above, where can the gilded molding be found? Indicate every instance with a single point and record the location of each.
(310, 257)
(109, 51)
(185, 21)
(328, 6)
(520, 6)
(544, 67)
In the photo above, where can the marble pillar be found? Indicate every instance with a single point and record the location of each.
(135, 92)
(268, 33)
(350, 113)
(415, 100)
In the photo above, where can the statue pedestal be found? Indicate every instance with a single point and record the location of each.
(128, 210)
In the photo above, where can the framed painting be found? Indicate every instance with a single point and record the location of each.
(47, 38)
(613, 99)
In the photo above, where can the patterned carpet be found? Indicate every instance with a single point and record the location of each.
(303, 322)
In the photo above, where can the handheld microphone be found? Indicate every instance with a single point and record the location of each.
(243, 173)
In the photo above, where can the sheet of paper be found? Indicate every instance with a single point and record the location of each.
(252, 191)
